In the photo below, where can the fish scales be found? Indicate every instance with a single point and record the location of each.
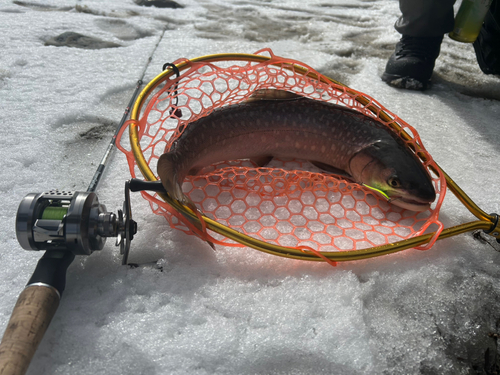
(324, 133)
(274, 129)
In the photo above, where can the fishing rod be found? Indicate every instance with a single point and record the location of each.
(112, 144)
(65, 224)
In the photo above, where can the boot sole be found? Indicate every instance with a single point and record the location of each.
(407, 83)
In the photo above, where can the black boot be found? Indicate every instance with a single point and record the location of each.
(411, 65)
(487, 44)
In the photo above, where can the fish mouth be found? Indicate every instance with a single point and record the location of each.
(412, 204)
(408, 201)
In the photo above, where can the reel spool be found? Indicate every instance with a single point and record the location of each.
(73, 221)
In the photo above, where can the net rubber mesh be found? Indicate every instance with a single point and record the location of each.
(288, 202)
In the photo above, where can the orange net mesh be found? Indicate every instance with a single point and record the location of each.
(289, 202)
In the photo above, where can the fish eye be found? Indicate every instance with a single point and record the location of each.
(394, 182)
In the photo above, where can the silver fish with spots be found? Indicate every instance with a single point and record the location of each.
(331, 136)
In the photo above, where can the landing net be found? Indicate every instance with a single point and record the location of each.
(287, 203)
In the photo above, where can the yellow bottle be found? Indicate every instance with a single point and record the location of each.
(469, 20)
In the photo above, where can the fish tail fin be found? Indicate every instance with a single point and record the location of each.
(168, 175)
(199, 224)
(167, 170)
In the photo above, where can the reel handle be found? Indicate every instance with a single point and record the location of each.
(140, 185)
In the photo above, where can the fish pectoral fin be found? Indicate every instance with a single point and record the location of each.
(194, 171)
(260, 161)
(332, 169)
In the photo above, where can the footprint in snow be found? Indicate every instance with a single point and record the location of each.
(159, 3)
(75, 40)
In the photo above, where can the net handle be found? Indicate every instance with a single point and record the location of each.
(486, 222)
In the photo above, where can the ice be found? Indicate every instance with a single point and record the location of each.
(187, 309)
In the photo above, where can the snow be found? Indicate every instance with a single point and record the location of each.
(187, 309)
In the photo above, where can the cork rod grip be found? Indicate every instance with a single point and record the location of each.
(32, 314)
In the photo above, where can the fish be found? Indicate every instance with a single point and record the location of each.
(334, 137)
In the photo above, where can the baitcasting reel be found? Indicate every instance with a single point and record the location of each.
(73, 221)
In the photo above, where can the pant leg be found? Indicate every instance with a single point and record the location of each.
(425, 18)
(487, 44)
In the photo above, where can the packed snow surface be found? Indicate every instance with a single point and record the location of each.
(187, 309)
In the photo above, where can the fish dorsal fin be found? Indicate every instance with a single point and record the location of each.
(273, 94)
(260, 161)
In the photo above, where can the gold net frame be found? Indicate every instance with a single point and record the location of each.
(486, 222)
